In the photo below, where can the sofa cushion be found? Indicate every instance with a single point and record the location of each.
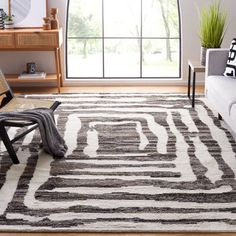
(224, 88)
(231, 62)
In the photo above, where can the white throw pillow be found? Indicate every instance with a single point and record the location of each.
(231, 62)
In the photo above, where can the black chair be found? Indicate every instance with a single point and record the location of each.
(10, 103)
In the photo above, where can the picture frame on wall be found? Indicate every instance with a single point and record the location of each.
(27, 13)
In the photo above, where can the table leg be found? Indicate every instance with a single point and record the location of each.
(57, 61)
(189, 80)
(193, 88)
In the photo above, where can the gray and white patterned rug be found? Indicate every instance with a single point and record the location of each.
(135, 163)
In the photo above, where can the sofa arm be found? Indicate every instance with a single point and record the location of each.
(216, 60)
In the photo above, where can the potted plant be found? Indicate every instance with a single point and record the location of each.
(9, 22)
(212, 28)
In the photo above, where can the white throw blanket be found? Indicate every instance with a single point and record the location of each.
(52, 141)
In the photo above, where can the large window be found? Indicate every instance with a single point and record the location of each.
(123, 39)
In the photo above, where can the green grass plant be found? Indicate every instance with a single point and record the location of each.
(212, 25)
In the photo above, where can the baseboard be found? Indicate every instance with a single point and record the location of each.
(127, 82)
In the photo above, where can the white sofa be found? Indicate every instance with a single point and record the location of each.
(220, 90)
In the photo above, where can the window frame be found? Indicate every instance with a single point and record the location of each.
(71, 78)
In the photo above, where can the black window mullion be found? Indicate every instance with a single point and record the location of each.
(103, 42)
(141, 39)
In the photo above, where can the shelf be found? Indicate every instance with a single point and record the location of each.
(13, 79)
(34, 40)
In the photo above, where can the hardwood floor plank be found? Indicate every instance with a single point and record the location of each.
(110, 89)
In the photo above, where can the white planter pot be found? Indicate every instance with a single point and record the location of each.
(9, 24)
(203, 56)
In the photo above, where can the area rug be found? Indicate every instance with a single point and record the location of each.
(135, 163)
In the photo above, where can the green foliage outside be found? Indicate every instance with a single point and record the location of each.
(121, 42)
(170, 21)
(84, 27)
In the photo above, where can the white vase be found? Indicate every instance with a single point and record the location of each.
(9, 24)
(203, 56)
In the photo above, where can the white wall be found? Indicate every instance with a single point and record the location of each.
(12, 62)
(190, 26)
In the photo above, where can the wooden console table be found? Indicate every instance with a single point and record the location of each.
(34, 40)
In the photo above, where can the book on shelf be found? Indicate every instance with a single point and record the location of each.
(36, 75)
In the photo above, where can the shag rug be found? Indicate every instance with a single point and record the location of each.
(135, 163)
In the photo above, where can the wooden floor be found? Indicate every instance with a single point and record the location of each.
(151, 89)
(111, 89)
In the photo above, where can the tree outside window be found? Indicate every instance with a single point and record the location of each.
(123, 38)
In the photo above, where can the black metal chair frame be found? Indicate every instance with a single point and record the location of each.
(3, 132)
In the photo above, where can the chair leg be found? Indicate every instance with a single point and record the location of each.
(8, 145)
